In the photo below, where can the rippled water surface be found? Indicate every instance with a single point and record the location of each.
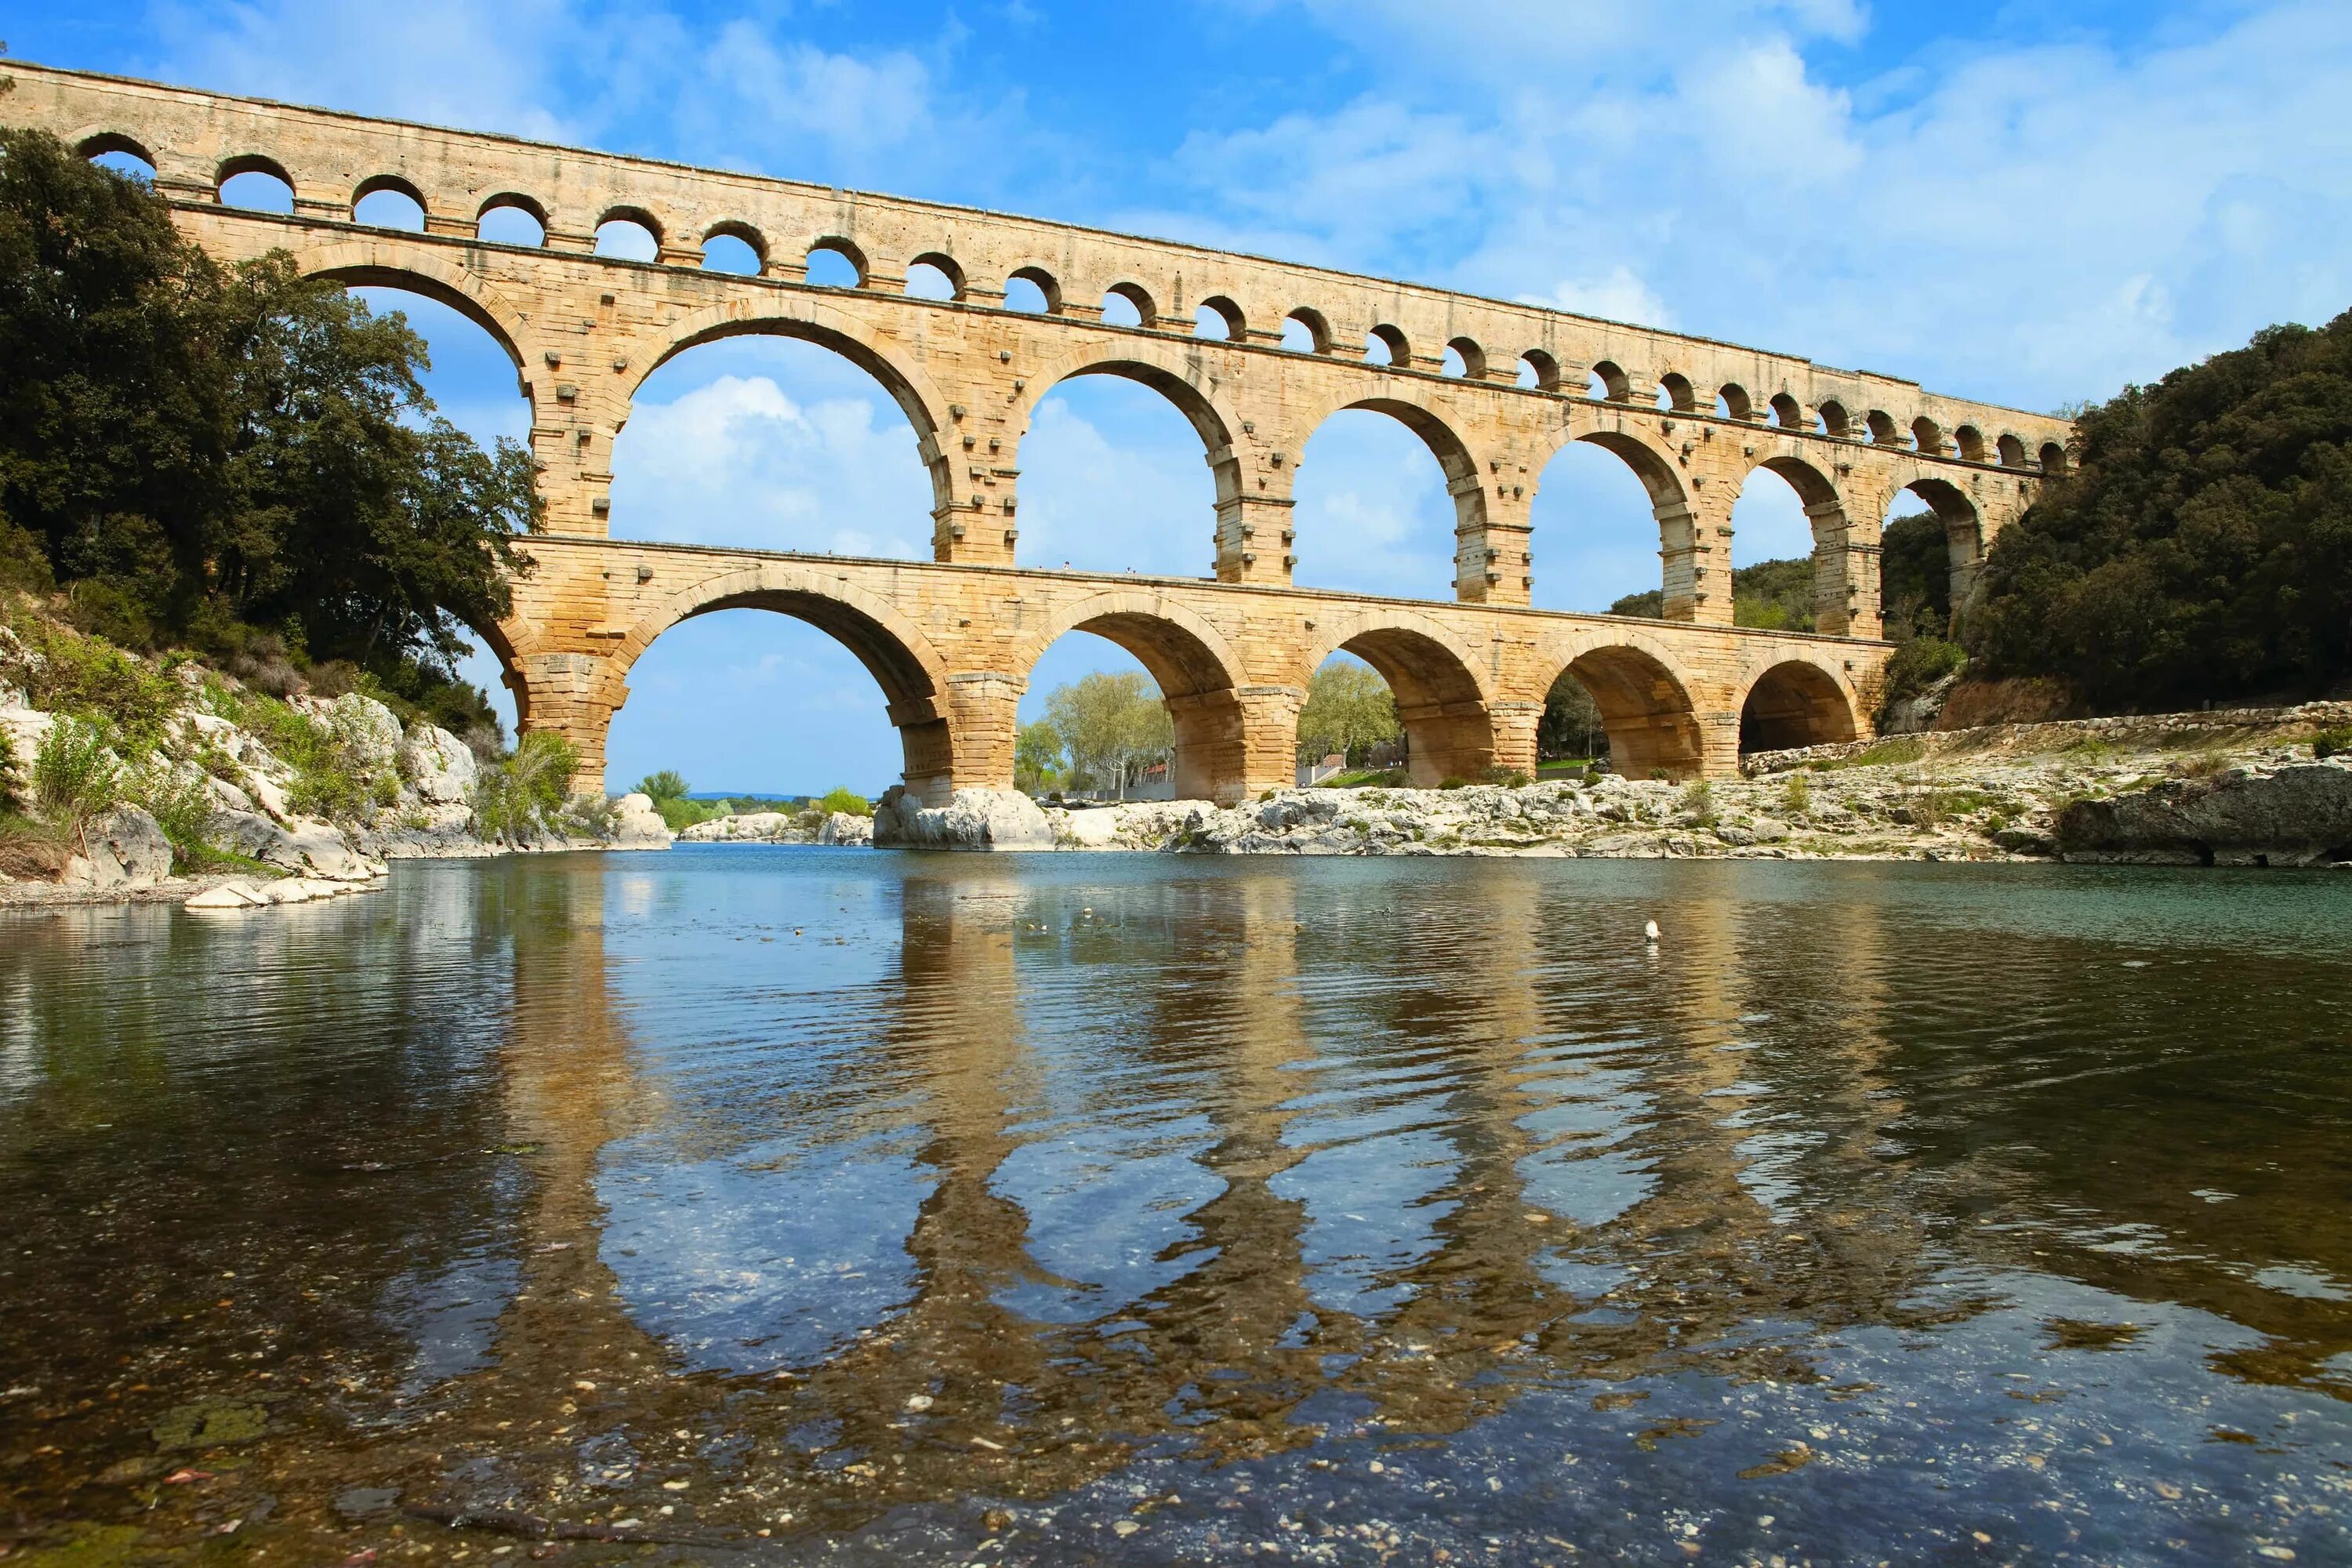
(782, 1205)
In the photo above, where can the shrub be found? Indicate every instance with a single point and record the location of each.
(1452, 781)
(843, 799)
(75, 776)
(2332, 743)
(328, 780)
(590, 815)
(7, 772)
(1699, 800)
(521, 794)
(1509, 778)
(1797, 792)
(1918, 665)
(90, 679)
(183, 807)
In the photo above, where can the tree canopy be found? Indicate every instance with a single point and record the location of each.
(1775, 595)
(1348, 709)
(196, 451)
(2202, 545)
(1110, 725)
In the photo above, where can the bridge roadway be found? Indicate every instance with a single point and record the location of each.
(1016, 306)
(952, 648)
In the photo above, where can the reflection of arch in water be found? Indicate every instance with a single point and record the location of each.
(1197, 673)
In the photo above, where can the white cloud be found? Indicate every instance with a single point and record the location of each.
(1618, 296)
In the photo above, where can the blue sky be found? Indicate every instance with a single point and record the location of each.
(2030, 203)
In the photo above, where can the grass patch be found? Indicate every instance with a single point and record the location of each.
(1890, 753)
(2332, 743)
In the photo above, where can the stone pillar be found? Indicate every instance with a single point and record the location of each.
(1212, 753)
(1845, 573)
(1269, 716)
(577, 404)
(1514, 725)
(558, 692)
(974, 737)
(976, 470)
(1492, 560)
(1255, 533)
(1718, 739)
(1695, 542)
(1447, 741)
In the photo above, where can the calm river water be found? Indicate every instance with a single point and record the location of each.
(788, 1204)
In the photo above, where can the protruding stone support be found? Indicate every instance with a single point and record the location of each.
(1696, 549)
(565, 693)
(1446, 741)
(974, 741)
(1257, 537)
(975, 483)
(1491, 533)
(574, 416)
(1515, 725)
(1845, 573)
(1269, 716)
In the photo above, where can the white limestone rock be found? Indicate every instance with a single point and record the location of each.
(846, 827)
(370, 733)
(637, 825)
(746, 828)
(127, 849)
(439, 766)
(972, 819)
(222, 898)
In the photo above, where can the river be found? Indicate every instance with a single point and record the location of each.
(776, 1204)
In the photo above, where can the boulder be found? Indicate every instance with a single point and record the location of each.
(303, 846)
(439, 766)
(24, 728)
(2295, 816)
(846, 827)
(972, 819)
(637, 825)
(218, 899)
(370, 733)
(745, 828)
(126, 849)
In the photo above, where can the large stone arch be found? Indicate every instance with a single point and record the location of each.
(1960, 512)
(1198, 672)
(429, 270)
(1645, 697)
(913, 676)
(1846, 548)
(1657, 467)
(1436, 429)
(815, 320)
(1444, 693)
(1797, 698)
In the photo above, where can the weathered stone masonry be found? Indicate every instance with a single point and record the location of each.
(952, 642)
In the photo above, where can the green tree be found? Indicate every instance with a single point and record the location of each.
(2201, 548)
(201, 450)
(1348, 709)
(1110, 725)
(1776, 595)
(843, 799)
(666, 785)
(1914, 577)
(1571, 725)
(1036, 756)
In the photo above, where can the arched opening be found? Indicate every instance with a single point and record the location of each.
(1596, 527)
(511, 220)
(1915, 545)
(1791, 705)
(1772, 550)
(730, 701)
(257, 184)
(2012, 451)
(389, 202)
(1305, 332)
(120, 154)
(1675, 392)
(1348, 730)
(1927, 436)
(1032, 291)
(934, 275)
(735, 248)
(472, 384)
(1129, 305)
(1969, 443)
(835, 263)
(1098, 685)
(1386, 345)
(767, 441)
(1465, 359)
(2053, 460)
(1447, 732)
(1731, 402)
(1884, 430)
(1833, 419)
(1219, 319)
(1607, 382)
(1787, 413)
(1112, 478)
(628, 234)
(1371, 503)
(1538, 372)
(1644, 710)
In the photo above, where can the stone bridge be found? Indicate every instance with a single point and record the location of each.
(968, 318)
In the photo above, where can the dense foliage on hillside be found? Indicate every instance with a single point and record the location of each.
(2202, 547)
(231, 457)
(1775, 595)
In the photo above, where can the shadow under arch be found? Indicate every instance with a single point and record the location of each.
(1796, 702)
(1443, 696)
(1646, 706)
(813, 321)
(894, 650)
(1198, 674)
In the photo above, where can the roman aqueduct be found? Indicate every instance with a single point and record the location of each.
(1494, 388)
